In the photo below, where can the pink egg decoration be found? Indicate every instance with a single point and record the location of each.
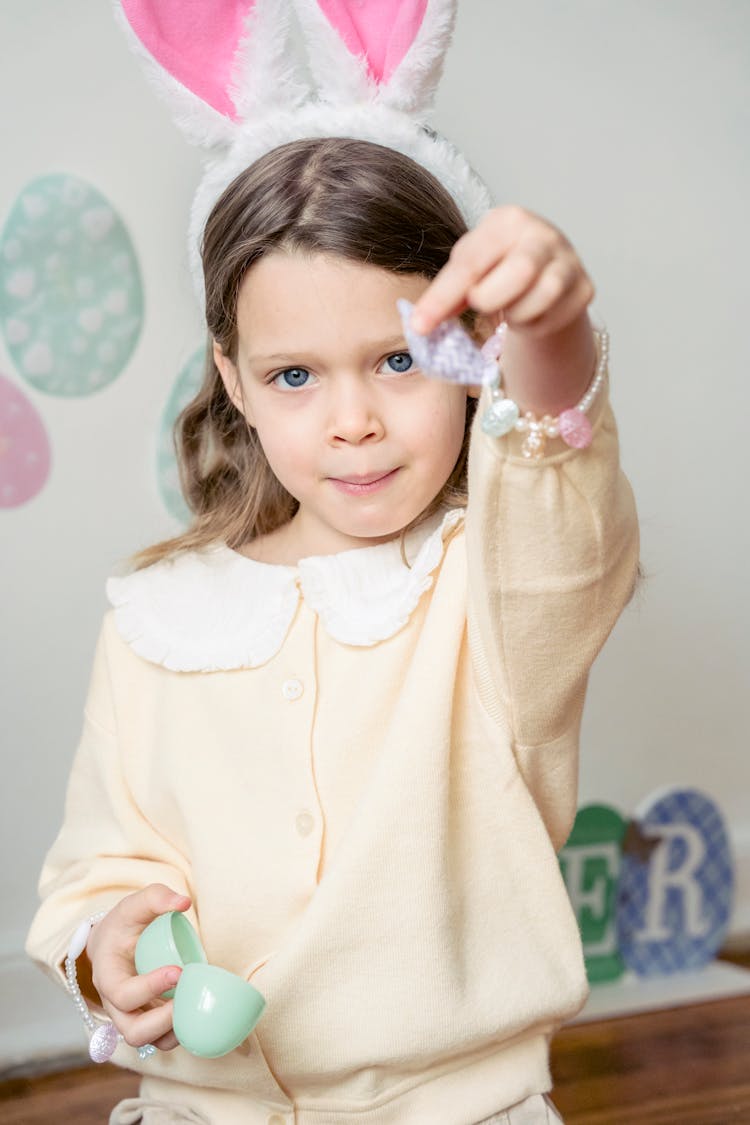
(574, 428)
(24, 447)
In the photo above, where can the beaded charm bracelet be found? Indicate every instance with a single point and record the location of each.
(104, 1036)
(572, 425)
(448, 352)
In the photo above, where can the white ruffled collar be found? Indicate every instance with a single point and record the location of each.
(215, 610)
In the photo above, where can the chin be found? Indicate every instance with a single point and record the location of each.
(379, 529)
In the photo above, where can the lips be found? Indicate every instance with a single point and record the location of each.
(368, 478)
(361, 485)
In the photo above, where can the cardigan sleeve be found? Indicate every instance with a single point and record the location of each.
(106, 848)
(552, 556)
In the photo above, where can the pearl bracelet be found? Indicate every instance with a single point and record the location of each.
(104, 1036)
(572, 425)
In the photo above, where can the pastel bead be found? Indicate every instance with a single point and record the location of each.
(533, 446)
(575, 428)
(78, 940)
(500, 417)
(103, 1043)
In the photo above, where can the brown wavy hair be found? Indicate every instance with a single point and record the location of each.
(357, 200)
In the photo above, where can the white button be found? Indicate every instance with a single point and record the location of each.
(292, 689)
(305, 823)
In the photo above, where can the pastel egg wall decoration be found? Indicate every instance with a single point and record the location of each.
(676, 886)
(24, 447)
(590, 865)
(71, 295)
(184, 389)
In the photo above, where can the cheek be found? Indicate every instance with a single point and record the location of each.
(285, 454)
(444, 431)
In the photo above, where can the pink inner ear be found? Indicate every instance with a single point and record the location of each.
(382, 30)
(194, 40)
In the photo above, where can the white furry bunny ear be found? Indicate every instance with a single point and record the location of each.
(217, 62)
(228, 69)
(386, 51)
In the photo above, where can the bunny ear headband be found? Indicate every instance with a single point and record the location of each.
(228, 69)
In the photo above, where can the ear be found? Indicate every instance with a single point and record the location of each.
(230, 377)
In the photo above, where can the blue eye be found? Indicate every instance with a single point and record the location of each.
(400, 362)
(292, 378)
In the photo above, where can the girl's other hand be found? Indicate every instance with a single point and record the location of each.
(134, 1003)
(515, 266)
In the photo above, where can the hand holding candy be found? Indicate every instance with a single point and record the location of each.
(516, 267)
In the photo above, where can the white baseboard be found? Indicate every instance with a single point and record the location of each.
(631, 994)
(38, 1022)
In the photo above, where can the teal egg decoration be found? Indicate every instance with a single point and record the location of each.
(71, 295)
(185, 388)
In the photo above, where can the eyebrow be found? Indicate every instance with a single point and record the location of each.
(391, 344)
(269, 359)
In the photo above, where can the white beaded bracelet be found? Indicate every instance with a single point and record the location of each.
(104, 1036)
(572, 425)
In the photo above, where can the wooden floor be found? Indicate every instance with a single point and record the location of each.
(687, 1066)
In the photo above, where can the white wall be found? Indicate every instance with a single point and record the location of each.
(627, 125)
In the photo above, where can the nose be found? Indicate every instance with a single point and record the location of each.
(354, 413)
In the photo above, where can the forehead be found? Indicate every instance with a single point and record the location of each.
(299, 295)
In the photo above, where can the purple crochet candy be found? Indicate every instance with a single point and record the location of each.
(448, 352)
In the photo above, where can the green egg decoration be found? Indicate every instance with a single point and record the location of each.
(71, 296)
(185, 388)
(590, 864)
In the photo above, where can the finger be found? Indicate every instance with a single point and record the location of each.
(554, 284)
(563, 313)
(146, 1027)
(167, 1042)
(140, 909)
(514, 277)
(476, 254)
(131, 993)
(471, 257)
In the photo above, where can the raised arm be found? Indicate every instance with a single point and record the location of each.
(552, 542)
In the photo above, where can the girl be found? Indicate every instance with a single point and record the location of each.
(353, 767)
(337, 720)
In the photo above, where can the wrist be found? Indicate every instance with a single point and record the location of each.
(503, 415)
(103, 1035)
(547, 373)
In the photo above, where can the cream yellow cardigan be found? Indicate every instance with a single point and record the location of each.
(361, 773)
